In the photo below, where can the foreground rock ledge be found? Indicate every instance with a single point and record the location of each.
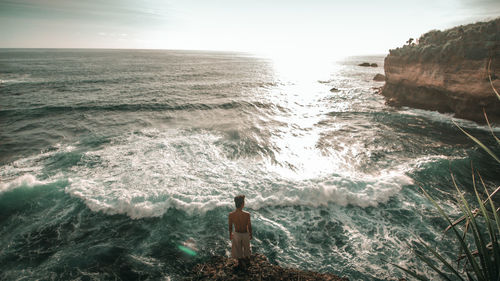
(447, 71)
(222, 268)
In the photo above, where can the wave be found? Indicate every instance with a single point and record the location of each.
(30, 171)
(146, 173)
(27, 180)
(50, 110)
(340, 191)
(425, 118)
(143, 175)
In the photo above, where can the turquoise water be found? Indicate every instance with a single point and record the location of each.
(114, 162)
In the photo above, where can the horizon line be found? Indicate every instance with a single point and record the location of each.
(166, 49)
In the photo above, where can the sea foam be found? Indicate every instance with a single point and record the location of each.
(145, 173)
(27, 180)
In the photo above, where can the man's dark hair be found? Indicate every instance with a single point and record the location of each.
(238, 200)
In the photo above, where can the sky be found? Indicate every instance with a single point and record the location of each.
(352, 27)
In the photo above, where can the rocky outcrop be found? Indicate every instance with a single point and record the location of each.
(366, 64)
(221, 268)
(379, 77)
(447, 71)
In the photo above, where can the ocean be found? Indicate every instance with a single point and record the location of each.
(123, 164)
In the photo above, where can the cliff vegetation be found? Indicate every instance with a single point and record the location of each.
(477, 41)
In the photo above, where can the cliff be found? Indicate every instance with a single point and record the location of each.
(224, 269)
(447, 71)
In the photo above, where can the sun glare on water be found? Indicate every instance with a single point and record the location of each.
(298, 74)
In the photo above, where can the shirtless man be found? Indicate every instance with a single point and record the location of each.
(242, 232)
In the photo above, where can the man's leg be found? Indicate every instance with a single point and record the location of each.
(245, 245)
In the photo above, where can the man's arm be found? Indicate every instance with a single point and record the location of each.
(230, 222)
(249, 226)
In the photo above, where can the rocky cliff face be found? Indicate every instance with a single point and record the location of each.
(447, 71)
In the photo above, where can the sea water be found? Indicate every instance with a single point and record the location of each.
(124, 164)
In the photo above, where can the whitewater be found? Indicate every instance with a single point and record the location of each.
(110, 160)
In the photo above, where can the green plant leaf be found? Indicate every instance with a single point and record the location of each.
(439, 257)
(479, 142)
(463, 245)
(489, 126)
(475, 233)
(470, 277)
(429, 263)
(412, 273)
(493, 235)
(487, 258)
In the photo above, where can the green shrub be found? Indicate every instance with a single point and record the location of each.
(472, 41)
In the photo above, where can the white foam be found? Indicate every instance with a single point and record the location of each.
(23, 172)
(146, 173)
(448, 118)
(143, 174)
(369, 191)
(26, 180)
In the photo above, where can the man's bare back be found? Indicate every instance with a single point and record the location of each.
(241, 222)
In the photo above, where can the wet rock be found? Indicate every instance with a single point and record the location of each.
(364, 64)
(225, 269)
(367, 64)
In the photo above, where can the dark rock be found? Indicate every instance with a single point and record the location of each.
(225, 269)
(379, 77)
(334, 90)
(368, 64)
(364, 64)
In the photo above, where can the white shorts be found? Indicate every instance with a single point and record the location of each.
(240, 245)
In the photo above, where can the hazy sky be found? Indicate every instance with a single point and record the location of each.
(342, 27)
